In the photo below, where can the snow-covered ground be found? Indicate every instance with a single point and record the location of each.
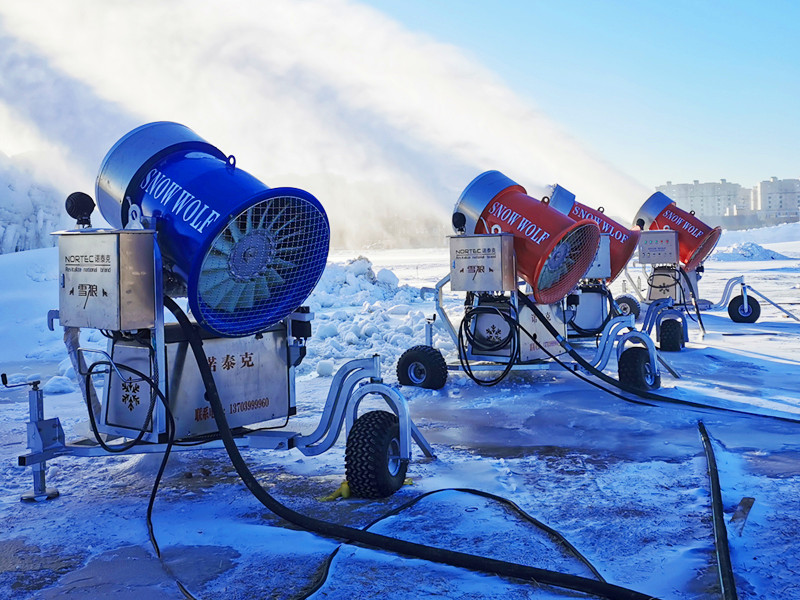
(625, 483)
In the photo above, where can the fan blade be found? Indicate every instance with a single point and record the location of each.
(248, 223)
(273, 278)
(246, 300)
(222, 245)
(282, 264)
(231, 301)
(216, 294)
(215, 262)
(261, 290)
(233, 227)
(276, 217)
(289, 249)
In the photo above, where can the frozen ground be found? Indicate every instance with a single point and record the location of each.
(625, 483)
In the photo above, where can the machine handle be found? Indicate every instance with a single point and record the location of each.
(33, 384)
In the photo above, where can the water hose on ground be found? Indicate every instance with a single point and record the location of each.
(335, 530)
(724, 567)
(629, 389)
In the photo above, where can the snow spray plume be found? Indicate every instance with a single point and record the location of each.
(384, 125)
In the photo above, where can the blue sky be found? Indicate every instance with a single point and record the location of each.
(678, 90)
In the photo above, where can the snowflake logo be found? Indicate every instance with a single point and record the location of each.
(130, 395)
(493, 333)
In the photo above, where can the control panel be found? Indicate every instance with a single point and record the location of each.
(658, 247)
(482, 263)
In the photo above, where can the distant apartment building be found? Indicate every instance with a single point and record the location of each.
(714, 199)
(777, 199)
(731, 205)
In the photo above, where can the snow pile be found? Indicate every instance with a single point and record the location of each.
(29, 211)
(746, 251)
(358, 313)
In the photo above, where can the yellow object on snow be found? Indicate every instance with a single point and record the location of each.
(343, 491)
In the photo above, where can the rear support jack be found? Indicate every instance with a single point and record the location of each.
(43, 435)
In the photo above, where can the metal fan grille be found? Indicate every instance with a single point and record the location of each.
(262, 265)
(566, 263)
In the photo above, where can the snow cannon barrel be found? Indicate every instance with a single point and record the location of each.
(696, 240)
(249, 255)
(622, 241)
(553, 251)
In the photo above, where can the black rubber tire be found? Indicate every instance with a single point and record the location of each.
(670, 336)
(736, 310)
(372, 460)
(634, 369)
(628, 305)
(422, 366)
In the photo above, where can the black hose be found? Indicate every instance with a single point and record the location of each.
(512, 505)
(694, 300)
(440, 555)
(466, 338)
(724, 567)
(120, 448)
(169, 430)
(577, 374)
(594, 331)
(629, 389)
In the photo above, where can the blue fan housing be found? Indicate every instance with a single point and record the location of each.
(248, 254)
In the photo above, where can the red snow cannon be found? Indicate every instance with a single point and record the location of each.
(696, 240)
(553, 251)
(622, 241)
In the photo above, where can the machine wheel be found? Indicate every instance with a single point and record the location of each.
(628, 305)
(372, 459)
(422, 366)
(741, 314)
(634, 369)
(671, 335)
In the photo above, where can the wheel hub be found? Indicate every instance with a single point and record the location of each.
(393, 459)
(417, 372)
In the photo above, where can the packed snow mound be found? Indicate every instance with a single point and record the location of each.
(746, 251)
(29, 211)
(358, 313)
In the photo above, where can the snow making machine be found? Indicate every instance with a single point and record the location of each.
(525, 268)
(593, 305)
(672, 249)
(187, 223)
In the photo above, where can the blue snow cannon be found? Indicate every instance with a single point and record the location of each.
(249, 255)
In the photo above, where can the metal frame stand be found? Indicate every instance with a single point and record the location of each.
(727, 294)
(44, 437)
(611, 333)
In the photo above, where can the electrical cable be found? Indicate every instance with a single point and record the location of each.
(724, 567)
(663, 288)
(510, 504)
(595, 331)
(694, 300)
(169, 430)
(466, 338)
(451, 557)
(577, 374)
(93, 423)
(631, 390)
